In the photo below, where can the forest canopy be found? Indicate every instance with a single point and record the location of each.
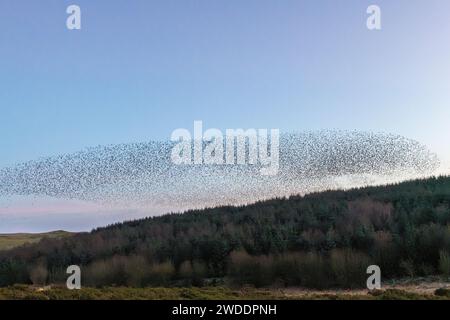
(319, 240)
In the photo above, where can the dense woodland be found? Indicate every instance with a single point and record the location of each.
(319, 240)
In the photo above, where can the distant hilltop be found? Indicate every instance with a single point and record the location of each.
(9, 241)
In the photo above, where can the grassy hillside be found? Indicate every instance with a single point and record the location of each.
(9, 241)
(321, 240)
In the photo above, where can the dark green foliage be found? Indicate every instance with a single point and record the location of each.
(13, 271)
(442, 292)
(320, 240)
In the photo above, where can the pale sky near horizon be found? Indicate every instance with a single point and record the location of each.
(139, 69)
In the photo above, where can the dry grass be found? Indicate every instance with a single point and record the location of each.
(419, 291)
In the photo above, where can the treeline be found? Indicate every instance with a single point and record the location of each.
(320, 240)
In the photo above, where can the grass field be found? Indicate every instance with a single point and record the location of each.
(8, 241)
(23, 292)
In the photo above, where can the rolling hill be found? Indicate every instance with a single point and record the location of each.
(9, 241)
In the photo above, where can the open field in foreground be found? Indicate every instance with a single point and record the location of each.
(401, 291)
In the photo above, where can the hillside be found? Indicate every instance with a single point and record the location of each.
(9, 241)
(319, 240)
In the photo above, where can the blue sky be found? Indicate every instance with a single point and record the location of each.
(140, 69)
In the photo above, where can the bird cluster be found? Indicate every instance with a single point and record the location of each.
(142, 175)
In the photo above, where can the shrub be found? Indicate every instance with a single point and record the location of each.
(160, 274)
(444, 263)
(38, 274)
(253, 270)
(349, 267)
(314, 271)
(407, 267)
(442, 292)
